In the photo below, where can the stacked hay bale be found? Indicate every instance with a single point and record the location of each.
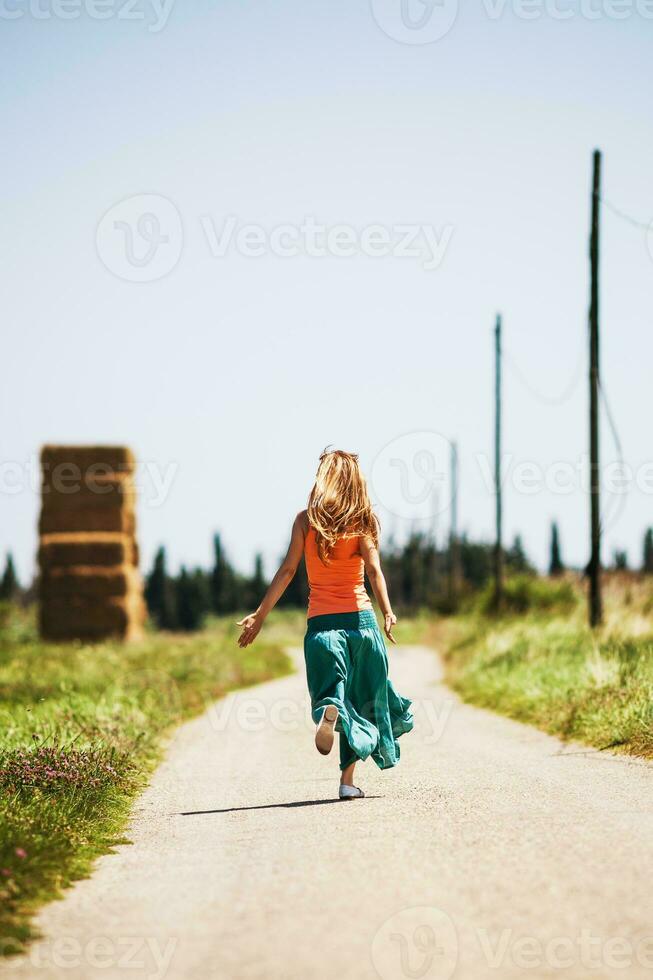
(90, 587)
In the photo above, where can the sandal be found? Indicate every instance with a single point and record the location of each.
(350, 793)
(324, 735)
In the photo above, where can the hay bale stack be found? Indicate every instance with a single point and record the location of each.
(70, 459)
(63, 550)
(90, 587)
(97, 518)
(90, 490)
(88, 619)
(86, 581)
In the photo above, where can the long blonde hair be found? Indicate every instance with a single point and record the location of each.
(339, 504)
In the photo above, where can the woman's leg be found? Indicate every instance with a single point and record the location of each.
(347, 775)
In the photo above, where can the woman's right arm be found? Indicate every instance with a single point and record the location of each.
(372, 560)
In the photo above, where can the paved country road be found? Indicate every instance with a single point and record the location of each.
(491, 851)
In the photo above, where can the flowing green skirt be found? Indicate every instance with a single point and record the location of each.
(347, 665)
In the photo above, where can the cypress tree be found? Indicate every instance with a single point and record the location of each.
(516, 559)
(647, 564)
(556, 566)
(412, 572)
(620, 561)
(192, 599)
(296, 595)
(258, 585)
(476, 561)
(9, 586)
(222, 585)
(160, 593)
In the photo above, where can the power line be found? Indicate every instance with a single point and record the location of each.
(568, 390)
(609, 519)
(635, 222)
(611, 421)
(550, 400)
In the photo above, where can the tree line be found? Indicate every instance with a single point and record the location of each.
(419, 573)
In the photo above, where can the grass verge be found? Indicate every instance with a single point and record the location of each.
(547, 668)
(81, 728)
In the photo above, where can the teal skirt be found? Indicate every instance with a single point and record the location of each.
(347, 665)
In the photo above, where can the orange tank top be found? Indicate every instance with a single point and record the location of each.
(339, 586)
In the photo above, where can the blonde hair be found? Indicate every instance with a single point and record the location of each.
(339, 504)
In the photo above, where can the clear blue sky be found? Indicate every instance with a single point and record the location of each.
(238, 370)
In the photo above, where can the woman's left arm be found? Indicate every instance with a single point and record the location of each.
(372, 561)
(286, 572)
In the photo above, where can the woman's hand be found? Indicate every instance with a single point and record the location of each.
(389, 621)
(251, 628)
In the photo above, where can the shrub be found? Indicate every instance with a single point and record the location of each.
(526, 593)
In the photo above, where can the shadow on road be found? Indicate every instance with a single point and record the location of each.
(270, 806)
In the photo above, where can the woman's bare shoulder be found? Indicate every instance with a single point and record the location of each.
(302, 520)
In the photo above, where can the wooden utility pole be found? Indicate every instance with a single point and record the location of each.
(454, 550)
(498, 547)
(594, 569)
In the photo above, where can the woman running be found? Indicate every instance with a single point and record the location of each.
(346, 659)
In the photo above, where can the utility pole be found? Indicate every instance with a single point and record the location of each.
(594, 568)
(454, 550)
(498, 548)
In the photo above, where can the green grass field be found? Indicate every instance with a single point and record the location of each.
(81, 728)
(540, 663)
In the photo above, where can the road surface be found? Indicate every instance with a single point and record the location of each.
(491, 851)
